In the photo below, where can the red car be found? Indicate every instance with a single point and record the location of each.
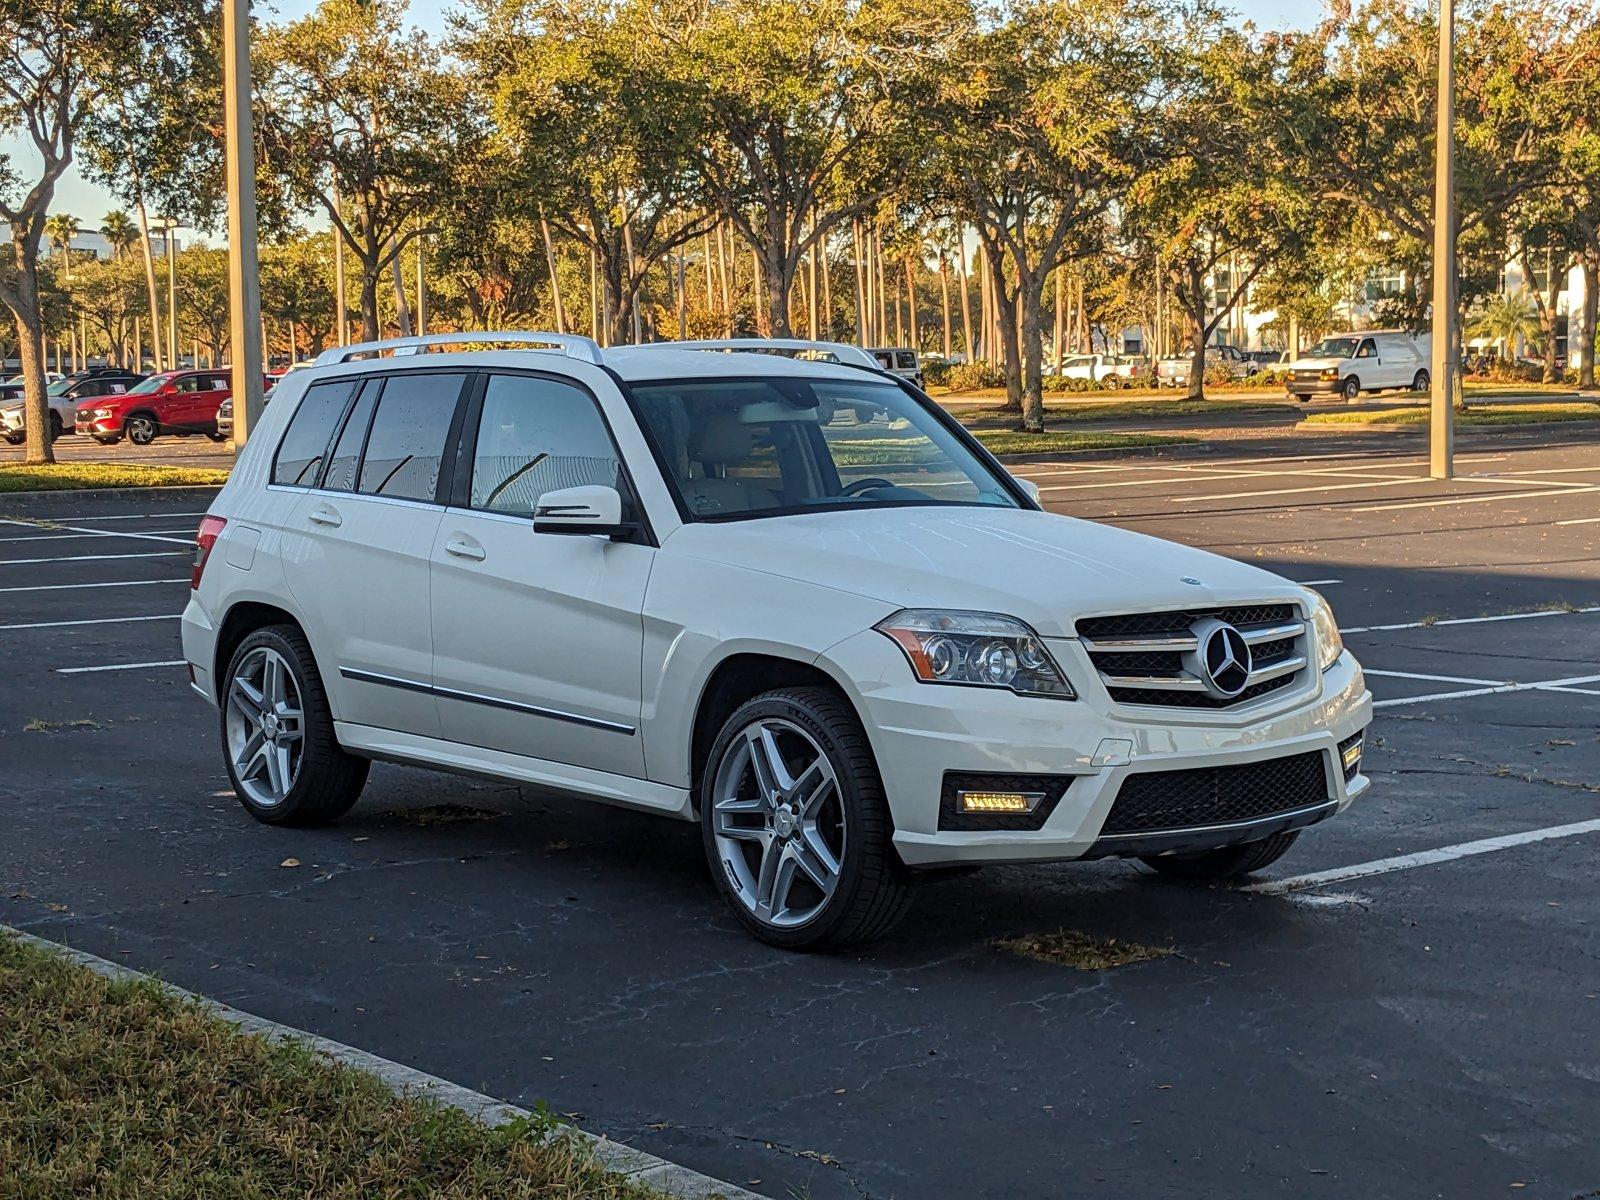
(179, 402)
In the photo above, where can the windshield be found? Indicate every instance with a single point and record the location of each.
(759, 447)
(59, 387)
(1336, 347)
(145, 386)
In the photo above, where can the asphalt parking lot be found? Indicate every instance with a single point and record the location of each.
(1407, 1005)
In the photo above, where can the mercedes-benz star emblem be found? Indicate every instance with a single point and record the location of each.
(1222, 658)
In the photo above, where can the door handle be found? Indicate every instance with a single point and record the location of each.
(323, 515)
(464, 547)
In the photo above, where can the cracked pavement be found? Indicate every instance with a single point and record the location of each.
(1439, 1037)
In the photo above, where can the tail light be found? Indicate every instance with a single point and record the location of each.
(210, 530)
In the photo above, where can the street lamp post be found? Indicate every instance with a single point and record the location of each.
(244, 282)
(1441, 425)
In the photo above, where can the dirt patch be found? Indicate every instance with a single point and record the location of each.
(439, 814)
(1070, 948)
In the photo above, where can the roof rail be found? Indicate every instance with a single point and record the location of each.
(853, 356)
(573, 345)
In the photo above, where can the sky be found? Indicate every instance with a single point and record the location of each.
(89, 203)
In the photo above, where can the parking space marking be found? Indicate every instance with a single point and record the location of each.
(68, 587)
(138, 666)
(1521, 616)
(91, 621)
(1430, 678)
(1426, 858)
(65, 537)
(1451, 502)
(1580, 521)
(1318, 582)
(1498, 689)
(23, 562)
(1376, 481)
(149, 537)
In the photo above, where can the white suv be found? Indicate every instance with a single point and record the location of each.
(704, 584)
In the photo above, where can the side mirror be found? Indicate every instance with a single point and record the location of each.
(590, 509)
(1029, 487)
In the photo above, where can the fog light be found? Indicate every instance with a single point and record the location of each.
(1351, 756)
(998, 802)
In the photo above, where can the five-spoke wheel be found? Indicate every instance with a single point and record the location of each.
(796, 827)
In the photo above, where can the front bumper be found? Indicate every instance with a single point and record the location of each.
(1311, 387)
(97, 426)
(920, 732)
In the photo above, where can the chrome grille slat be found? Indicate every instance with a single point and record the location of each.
(1140, 655)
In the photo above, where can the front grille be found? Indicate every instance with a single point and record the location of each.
(1158, 801)
(1145, 658)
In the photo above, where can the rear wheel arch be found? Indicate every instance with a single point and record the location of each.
(242, 619)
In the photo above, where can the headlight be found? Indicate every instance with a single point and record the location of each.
(976, 649)
(102, 413)
(1329, 644)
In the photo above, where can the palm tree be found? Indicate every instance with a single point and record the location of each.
(118, 229)
(1507, 317)
(60, 230)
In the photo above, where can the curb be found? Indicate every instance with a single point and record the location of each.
(114, 491)
(1181, 448)
(635, 1165)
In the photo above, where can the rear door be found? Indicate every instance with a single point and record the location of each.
(537, 637)
(359, 537)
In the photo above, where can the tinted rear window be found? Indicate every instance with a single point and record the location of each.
(310, 429)
(408, 435)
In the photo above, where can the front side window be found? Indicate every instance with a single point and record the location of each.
(1368, 350)
(759, 447)
(409, 431)
(310, 429)
(146, 387)
(535, 436)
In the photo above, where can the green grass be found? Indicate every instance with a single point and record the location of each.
(1493, 414)
(120, 1090)
(1065, 441)
(64, 477)
(1122, 410)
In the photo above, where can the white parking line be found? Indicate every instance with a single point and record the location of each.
(1373, 482)
(1403, 862)
(68, 587)
(1580, 521)
(1521, 616)
(23, 562)
(91, 621)
(1430, 678)
(67, 537)
(1319, 582)
(1456, 501)
(1498, 689)
(171, 662)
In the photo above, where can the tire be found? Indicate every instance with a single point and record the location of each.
(56, 432)
(108, 441)
(1217, 866)
(15, 439)
(217, 437)
(1350, 389)
(1421, 382)
(141, 429)
(323, 780)
(867, 892)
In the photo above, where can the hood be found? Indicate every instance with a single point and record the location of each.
(1044, 569)
(1309, 364)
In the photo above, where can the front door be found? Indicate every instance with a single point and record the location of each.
(537, 637)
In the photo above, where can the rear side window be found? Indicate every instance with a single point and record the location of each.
(906, 359)
(310, 430)
(409, 431)
(537, 435)
(345, 462)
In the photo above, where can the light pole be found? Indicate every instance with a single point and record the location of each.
(1441, 424)
(167, 226)
(244, 276)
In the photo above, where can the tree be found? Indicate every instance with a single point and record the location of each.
(358, 118)
(118, 229)
(110, 294)
(1044, 122)
(297, 288)
(582, 141)
(805, 111)
(203, 300)
(56, 59)
(1506, 318)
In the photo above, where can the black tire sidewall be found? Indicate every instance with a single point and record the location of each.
(1348, 391)
(855, 792)
(313, 705)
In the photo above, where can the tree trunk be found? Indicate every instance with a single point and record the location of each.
(944, 299)
(966, 303)
(861, 287)
(1030, 288)
(1552, 287)
(369, 300)
(402, 310)
(911, 302)
(1060, 315)
(1194, 309)
(1591, 310)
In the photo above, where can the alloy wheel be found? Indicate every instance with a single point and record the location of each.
(141, 430)
(778, 821)
(265, 726)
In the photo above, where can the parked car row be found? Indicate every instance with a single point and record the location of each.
(109, 404)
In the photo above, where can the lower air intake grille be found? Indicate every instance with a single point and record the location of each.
(1161, 800)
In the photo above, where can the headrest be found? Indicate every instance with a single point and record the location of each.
(721, 439)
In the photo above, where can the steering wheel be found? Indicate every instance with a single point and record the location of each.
(865, 485)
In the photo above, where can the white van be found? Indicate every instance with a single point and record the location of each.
(1347, 364)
